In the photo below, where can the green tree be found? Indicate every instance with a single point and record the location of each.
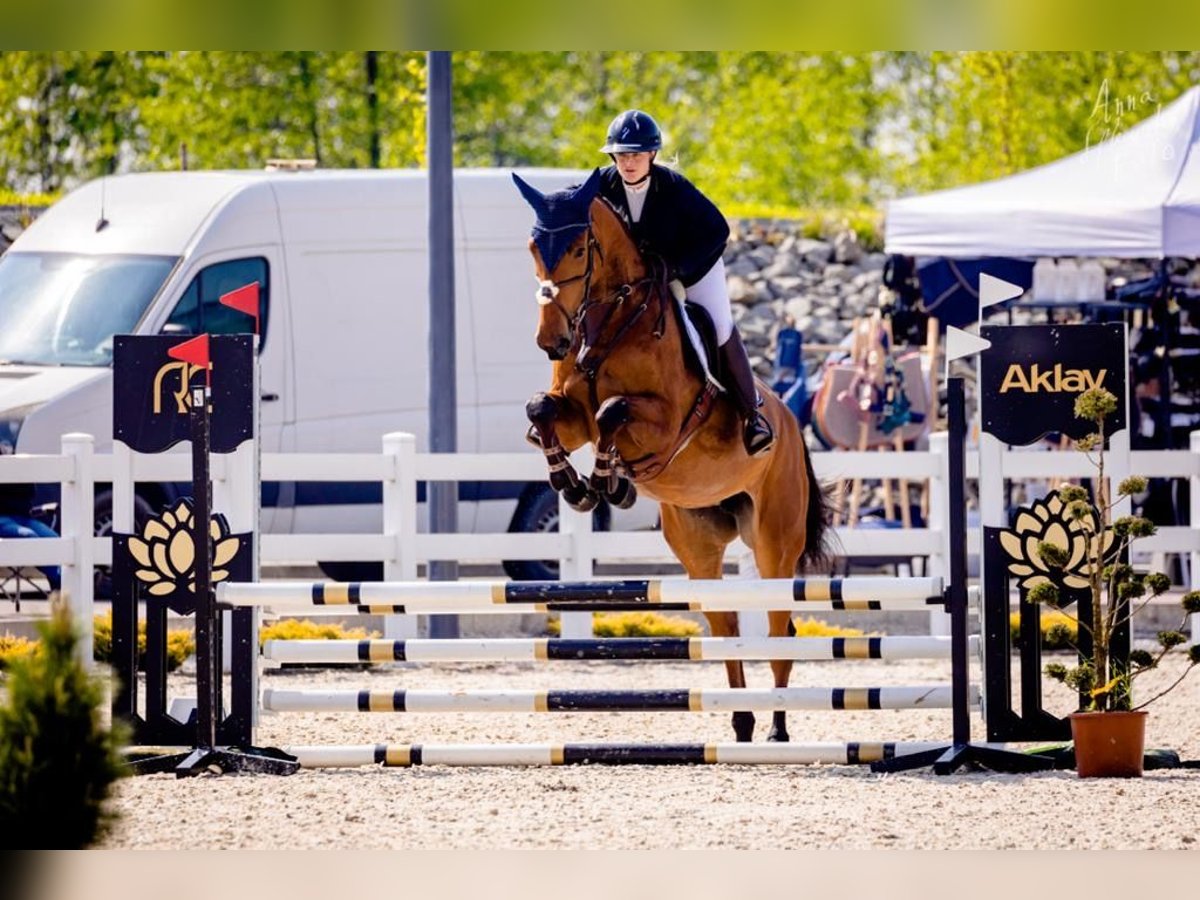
(68, 115)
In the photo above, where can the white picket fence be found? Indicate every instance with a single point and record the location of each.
(401, 548)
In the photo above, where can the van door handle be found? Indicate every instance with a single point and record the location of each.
(269, 398)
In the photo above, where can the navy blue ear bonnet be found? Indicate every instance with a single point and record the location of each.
(561, 216)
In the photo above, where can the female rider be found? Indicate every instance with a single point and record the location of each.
(669, 216)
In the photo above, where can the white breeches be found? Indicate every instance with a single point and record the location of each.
(711, 293)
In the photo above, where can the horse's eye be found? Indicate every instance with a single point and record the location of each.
(579, 253)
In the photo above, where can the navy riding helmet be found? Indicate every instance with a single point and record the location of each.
(633, 131)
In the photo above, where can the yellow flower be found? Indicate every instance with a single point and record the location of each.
(1045, 521)
(167, 554)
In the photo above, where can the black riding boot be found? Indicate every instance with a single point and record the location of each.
(739, 382)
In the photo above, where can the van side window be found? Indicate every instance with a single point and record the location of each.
(199, 309)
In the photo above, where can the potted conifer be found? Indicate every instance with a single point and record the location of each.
(1076, 544)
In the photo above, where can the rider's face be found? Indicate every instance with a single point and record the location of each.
(633, 166)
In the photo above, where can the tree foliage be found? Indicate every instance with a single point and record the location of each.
(754, 128)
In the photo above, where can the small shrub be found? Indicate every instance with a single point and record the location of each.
(14, 648)
(809, 627)
(57, 762)
(1059, 631)
(635, 624)
(643, 624)
(308, 630)
(181, 643)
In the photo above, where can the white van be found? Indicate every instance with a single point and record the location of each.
(342, 256)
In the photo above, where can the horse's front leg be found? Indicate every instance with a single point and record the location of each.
(606, 479)
(550, 414)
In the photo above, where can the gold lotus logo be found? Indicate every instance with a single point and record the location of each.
(167, 554)
(1046, 521)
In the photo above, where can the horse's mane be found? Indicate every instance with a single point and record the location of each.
(648, 261)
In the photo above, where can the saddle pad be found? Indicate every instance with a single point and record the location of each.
(701, 339)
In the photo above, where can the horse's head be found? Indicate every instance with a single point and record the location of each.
(565, 254)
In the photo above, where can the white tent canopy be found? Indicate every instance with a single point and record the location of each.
(1135, 195)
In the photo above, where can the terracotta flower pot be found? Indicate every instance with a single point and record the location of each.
(1109, 744)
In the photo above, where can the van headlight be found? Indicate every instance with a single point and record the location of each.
(10, 427)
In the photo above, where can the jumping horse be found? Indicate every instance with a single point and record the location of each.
(620, 381)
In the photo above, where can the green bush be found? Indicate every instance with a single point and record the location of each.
(11, 198)
(1059, 631)
(308, 630)
(652, 624)
(14, 648)
(635, 624)
(57, 761)
(809, 627)
(181, 643)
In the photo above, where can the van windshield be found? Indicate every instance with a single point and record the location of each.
(62, 309)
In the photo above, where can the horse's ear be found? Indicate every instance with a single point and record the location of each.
(532, 195)
(586, 192)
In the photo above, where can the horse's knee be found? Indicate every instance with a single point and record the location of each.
(541, 408)
(613, 413)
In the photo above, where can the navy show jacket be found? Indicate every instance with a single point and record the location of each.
(678, 222)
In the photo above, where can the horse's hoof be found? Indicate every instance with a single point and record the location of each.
(625, 494)
(779, 732)
(600, 484)
(743, 727)
(580, 498)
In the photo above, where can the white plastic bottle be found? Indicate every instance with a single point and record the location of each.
(1094, 280)
(1069, 281)
(1045, 279)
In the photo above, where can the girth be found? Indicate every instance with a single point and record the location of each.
(653, 464)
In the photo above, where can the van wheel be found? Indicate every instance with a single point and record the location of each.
(537, 511)
(102, 526)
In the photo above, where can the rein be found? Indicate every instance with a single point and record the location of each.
(592, 355)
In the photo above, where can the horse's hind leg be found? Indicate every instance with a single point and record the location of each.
(778, 541)
(698, 538)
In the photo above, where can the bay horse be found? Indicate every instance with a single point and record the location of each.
(620, 382)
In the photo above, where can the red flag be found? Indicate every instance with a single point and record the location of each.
(194, 351)
(244, 299)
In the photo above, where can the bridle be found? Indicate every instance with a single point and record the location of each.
(550, 289)
(587, 360)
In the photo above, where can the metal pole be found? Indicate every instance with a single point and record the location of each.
(957, 426)
(208, 698)
(443, 394)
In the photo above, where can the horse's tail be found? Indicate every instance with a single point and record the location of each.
(819, 535)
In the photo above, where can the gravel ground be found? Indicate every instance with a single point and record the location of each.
(734, 807)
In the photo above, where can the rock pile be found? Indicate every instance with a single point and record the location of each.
(777, 276)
